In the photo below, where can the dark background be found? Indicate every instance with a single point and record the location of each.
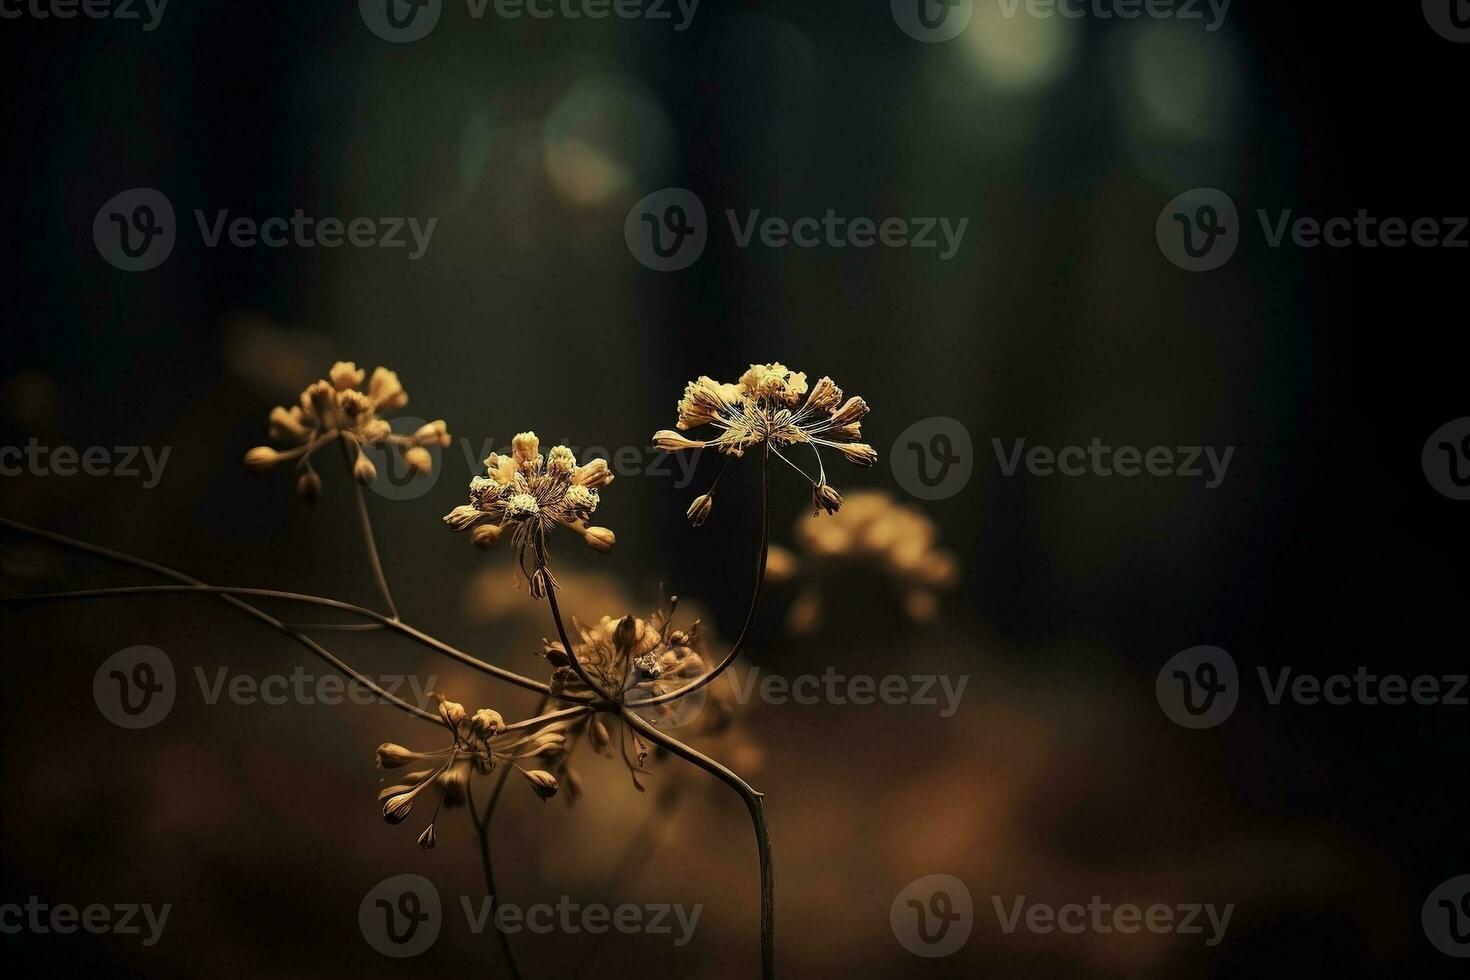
(1325, 548)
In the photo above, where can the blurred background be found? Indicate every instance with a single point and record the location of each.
(1059, 599)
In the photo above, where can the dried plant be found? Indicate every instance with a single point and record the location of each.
(625, 672)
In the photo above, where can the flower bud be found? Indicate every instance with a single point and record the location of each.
(345, 374)
(391, 756)
(486, 535)
(418, 459)
(597, 733)
(486, 723)
(286, 424)
(825, 498)
(386, 390)
(543, 782)
(671, 442)
(261, 458)
(859, 453)
(434, 433)
(363, 470)
(626, 633)
(452, 712)
(396, 810)
(699, 511)
(309, 485)
(427, 840)
(600, 538)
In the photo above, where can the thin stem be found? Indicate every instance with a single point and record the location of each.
(752, 800)
(194, 585)
(396, 626)
(561, 630)
(755, 598)
(482, 832)
(366, 523)
(228, 595)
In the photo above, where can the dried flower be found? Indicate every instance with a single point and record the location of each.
(543, 782)
(480, 743)
(335, 408)
(632, 658)
(529, 495)
(766, 407)
(699, 511)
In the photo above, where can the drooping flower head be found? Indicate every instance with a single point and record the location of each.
(766, 407)
(335, 408)
(480, 744)
(528, 495)
(631, 659)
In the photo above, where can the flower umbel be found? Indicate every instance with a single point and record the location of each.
(478, 747)
(630, 659)
(528, 494)
(334, 408)
(771, 405)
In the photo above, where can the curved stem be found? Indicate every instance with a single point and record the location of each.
(228, 595)
(194, 585)
(561, 630)
(366, 523)
(396, 626)
(755, 598)
(752, 800)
